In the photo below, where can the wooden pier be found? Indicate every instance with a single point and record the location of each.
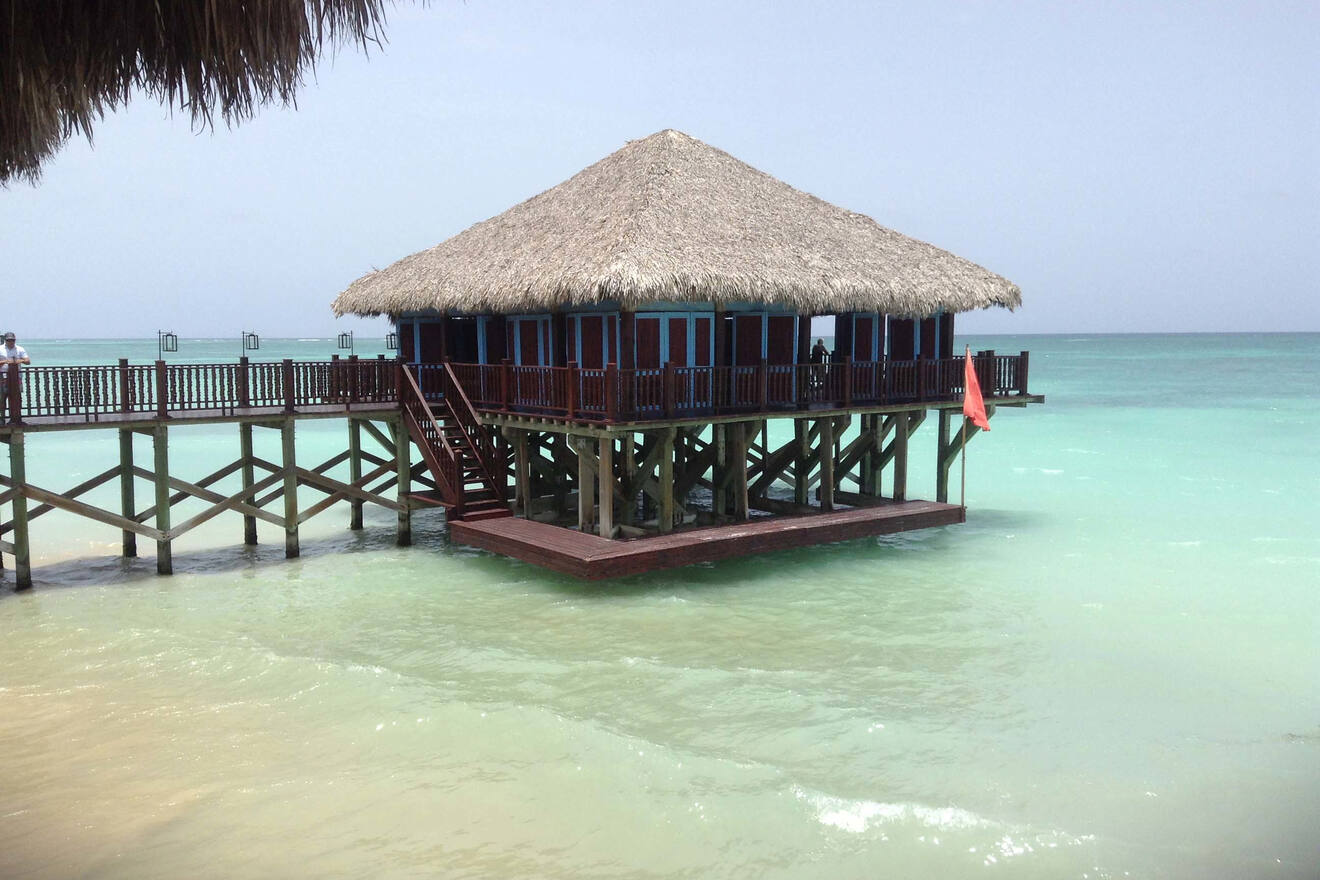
(613, 471)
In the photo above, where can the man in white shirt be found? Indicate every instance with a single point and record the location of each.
(12, 353)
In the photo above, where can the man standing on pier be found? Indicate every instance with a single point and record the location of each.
(12, 353)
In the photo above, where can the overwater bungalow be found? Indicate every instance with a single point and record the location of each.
(629, 351)
(619, 343)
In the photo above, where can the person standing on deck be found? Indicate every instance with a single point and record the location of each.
(818, 354)
(12, 353)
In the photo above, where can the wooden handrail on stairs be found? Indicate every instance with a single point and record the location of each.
(439, 455)
(478, 438)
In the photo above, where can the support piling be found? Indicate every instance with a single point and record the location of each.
(161, 447)
(291, 548)
(127, 503)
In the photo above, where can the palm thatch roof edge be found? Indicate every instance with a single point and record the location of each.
(669, 218)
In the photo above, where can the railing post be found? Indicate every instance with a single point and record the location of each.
(125, 387)
(988, 375)
(921, 379)
(506, 371)
(162, 391)
(353, 382)
(244, 382)
(399, 382)
(572, 392)
(611, 392)
(763, 385)
(847, 381)
(13, 396)
(286, 371)
(1022, 374)
(667, 389)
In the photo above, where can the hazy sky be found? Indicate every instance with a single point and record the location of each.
(1142, 167)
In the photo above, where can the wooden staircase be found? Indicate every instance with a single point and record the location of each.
(468, 471)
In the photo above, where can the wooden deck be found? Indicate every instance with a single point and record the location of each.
(594, 558)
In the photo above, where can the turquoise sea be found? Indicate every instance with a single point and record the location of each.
(1111, 671)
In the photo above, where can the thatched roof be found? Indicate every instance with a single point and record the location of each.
(669, 218)
(64, 63)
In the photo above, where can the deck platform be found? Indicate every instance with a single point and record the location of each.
(591, 557)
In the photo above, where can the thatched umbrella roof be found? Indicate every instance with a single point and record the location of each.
(64, 63)
(669, 218)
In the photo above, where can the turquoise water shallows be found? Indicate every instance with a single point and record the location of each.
(1112, 670)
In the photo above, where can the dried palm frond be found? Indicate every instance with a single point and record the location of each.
(65, 63)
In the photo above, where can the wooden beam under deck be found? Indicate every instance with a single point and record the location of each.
(591, 557)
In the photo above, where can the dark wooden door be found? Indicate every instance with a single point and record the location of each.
(647, 341)
(902, 337)
(407, 342)
(748, 345)
(703, 358)
(529, 350)
(781, 339)
(678, 342)
(592, 339)
(863, 341)
(928, 338)
(591, 357)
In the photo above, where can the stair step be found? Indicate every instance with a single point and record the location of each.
(477, 515)
(486, 515)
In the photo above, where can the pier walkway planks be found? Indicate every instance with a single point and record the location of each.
(593, 558)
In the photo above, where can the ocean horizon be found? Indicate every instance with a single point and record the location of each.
(1111, 670)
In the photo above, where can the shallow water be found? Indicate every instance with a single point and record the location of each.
(1110, 671)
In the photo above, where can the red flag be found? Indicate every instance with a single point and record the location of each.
(973, 405)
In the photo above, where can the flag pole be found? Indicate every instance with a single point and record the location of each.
(962, 501)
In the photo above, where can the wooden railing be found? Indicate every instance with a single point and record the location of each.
(161, 389)
(481, 441)
(598, 395)
(441, 458)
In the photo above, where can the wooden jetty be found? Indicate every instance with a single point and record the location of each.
(623, 473)
(614, 349)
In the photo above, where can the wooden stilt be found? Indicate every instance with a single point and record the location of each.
(586, 484)
(522, 473)
(741, 432)
(605, 480)
(875, 462)
(249, 477)
(680, 457)
(865, 474)
(160, 442)
(628, 477)
(355, 471)
(403, 471)
(942, 459)
(290, 472)
(719, 503)
(801, 459)
(562, 456)
(666, 480)
(900, 455)
(18, 474)
(127, 503)
(827, 457)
